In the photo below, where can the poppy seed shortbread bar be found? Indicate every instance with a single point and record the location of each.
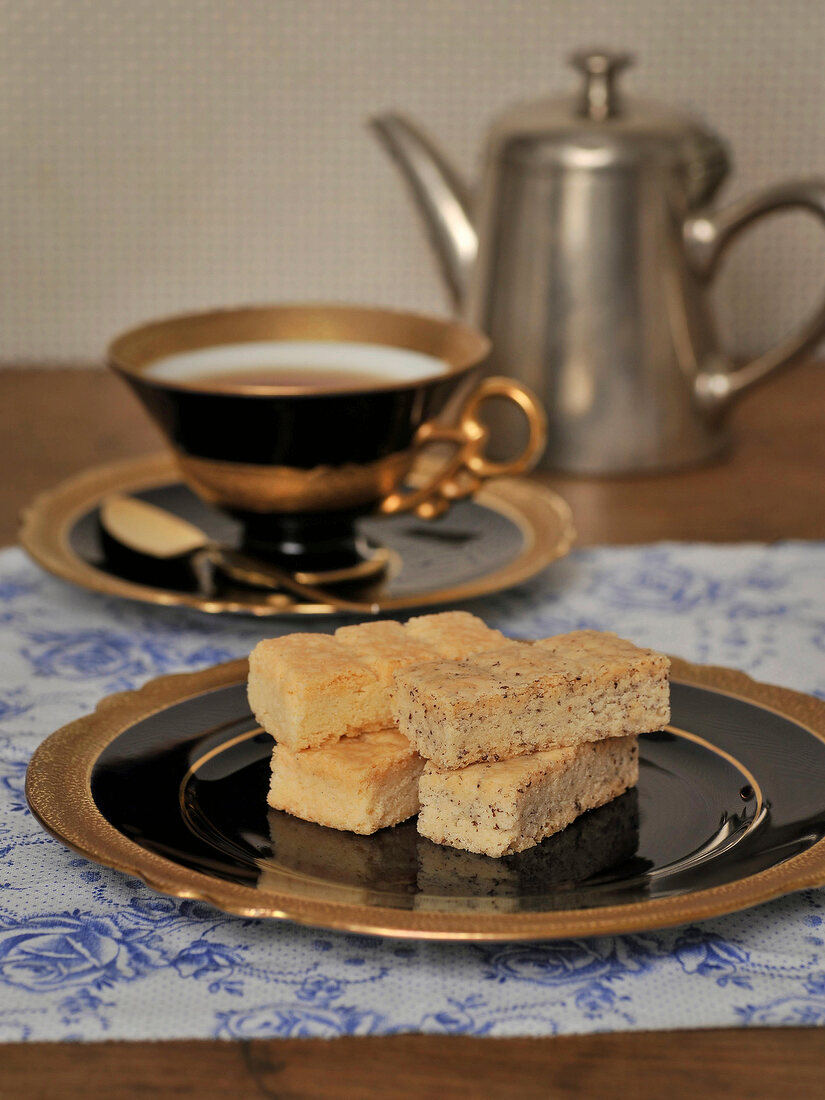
(523, 699)
(496, 809)
(307, 689)
(360, 784)
(449, 878)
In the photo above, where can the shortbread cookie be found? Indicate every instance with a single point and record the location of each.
(359, 783)
(529, 698)
(307, 689)
(506, 807)
(384, 647)
(602, 646)
(454, 634)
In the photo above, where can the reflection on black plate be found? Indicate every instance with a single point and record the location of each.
(731, 789)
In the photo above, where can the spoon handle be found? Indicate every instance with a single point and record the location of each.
(263, 575)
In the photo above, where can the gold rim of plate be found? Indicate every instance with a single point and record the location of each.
(541, 515)
(58, 789)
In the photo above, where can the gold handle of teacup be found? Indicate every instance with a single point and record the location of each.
(468, 466)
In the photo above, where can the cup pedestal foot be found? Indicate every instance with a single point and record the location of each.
(317, 549)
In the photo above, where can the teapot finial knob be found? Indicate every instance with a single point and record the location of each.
(599, 98)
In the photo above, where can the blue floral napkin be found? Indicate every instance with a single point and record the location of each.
(87, 953)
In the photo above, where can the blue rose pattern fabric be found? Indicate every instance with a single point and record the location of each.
(87, 953)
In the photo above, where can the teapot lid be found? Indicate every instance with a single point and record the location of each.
(600, 128)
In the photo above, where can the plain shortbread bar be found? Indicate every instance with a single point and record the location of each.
(529, 698)
(307, 689)
(496, 809)
(384, 647)
(361, 784)
(454, 634)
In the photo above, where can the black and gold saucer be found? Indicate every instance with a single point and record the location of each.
(508, 532)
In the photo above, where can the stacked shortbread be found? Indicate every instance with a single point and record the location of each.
(495, 744)
(522, 739)
(339, 758)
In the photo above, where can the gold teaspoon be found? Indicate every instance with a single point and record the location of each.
(147, 529)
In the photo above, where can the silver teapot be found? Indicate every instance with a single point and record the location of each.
(587, 257)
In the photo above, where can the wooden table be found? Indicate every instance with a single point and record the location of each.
(772, 486)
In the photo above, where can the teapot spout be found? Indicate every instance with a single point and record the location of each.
(443, 200)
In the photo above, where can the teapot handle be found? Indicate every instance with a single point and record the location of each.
(707, 236)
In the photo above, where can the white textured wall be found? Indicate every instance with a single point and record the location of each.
(159, 155)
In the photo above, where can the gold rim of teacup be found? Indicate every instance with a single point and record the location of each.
(456, 344)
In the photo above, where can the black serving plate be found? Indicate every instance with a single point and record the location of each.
(729, 810)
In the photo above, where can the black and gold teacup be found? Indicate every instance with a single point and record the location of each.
(297, 420)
